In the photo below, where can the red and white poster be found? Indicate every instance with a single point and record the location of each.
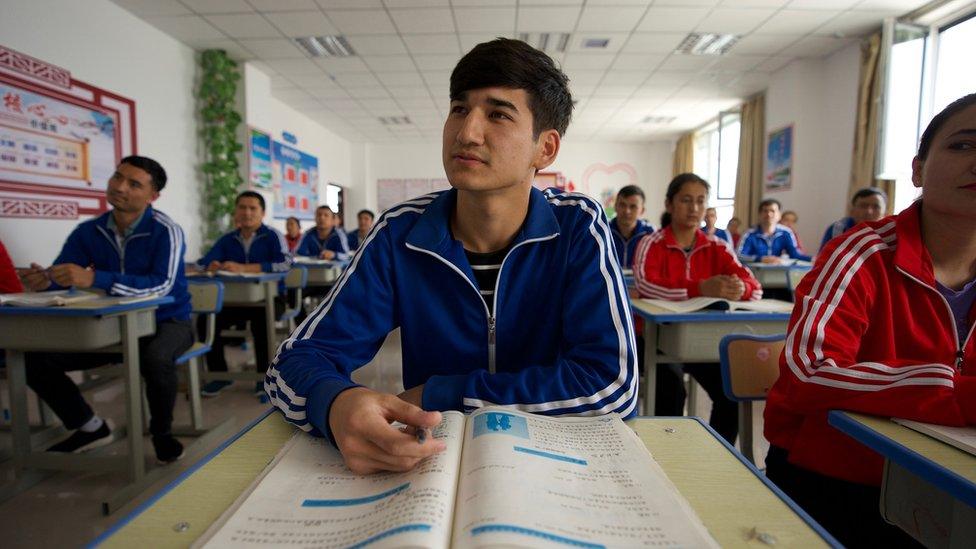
(60, 140)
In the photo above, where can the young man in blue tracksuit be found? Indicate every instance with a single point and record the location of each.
(251, 248)
(364, 222)
(327, 239)
(867, 204)
(132, 250)
(503, 294)
(768, 241)
(627, 227)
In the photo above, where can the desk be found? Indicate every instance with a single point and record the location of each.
(779, 276)
(729, 495)
(251, 290)
(693, 337)
(322, 272)
(104, 324)
(928, 487)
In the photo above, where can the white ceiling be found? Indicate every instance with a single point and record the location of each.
(407, 48)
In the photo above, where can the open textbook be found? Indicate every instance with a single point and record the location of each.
(56, 298)
(717, 303)
(506, 479)
(963, 438)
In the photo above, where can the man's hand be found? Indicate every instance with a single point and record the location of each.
(327, 254)
(36, 278)
(414, 396)
(723, 286)
(69, 274)
(771, 259)
(360, 422)
(232, 266)
(213, 266)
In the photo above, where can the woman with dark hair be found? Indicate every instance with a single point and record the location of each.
(293, 233)
(679, 262)
(883, 325)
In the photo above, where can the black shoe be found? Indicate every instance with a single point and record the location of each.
(259, 389)
(168, 449)
(80, 441)
(214, 388)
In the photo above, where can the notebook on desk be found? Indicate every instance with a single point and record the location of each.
(963, 438)
(522, 480)
(719, 304)
(57, 298)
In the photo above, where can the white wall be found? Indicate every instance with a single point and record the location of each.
(592, 167)
(106, 46)
(336, 155)
(819, 97)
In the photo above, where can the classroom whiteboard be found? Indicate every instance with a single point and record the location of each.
(390, 192)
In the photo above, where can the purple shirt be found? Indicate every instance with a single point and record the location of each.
(961, 302)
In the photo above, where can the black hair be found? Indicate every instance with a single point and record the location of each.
(367, 212)
(939, 120)
(325, 207)
(295, 219)
(674, 187)
(508, 63)
(770, 202)
(251, 194)
(156, 172)
(869, 191)
(631, 190)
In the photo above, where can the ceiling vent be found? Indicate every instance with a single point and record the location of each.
(595, 43)
(546, 41)
(325, 46)
(658, 120)
(707, 43)
(395, 120)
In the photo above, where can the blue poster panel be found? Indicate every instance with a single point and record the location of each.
(259, 159)
(779, 159)
(296, 182)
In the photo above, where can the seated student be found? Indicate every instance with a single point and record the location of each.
(732, 227)
(326, 240)
(364, 222)
(867, 204)
(504, 294)
(132, 250)
(789, 220)
(883, 325)
(9, 281)
(627, 227)
(251, 248)
(769, 240)
(711, 216)
(293, 233)
(680, 262)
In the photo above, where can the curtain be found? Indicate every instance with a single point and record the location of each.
(749, 178)
(864, 158)
(684, 155)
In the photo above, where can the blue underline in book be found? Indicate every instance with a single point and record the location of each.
(512, 529)
(392, 532)
(550, 455)
(354, 501)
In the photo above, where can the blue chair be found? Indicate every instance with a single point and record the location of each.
(296, 280)
(750, 367)
(207, 298)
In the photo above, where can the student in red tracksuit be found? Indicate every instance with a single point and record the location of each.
(883, 325)
(680, 262)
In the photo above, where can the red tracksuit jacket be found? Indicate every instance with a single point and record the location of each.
(663, 270)
(869, 333)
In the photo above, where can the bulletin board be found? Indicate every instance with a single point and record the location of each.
(296, 182)
(259, 167)
(60, 140)
(779, 160)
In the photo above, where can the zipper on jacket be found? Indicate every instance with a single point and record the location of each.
(491, 342)
(960, 346)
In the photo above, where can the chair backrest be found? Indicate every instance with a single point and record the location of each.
(297, 277)
(793, 278)
(750, 365)
(206, 295)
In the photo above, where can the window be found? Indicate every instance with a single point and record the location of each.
(954, 75)
(717, 161)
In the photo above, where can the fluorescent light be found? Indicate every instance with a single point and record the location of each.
(706, 43)
(395, 120)
(658, 120)
(546, 41)
(325, 46)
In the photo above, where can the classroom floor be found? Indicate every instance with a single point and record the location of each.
(70, 502)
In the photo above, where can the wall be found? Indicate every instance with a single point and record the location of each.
(592, 167)
(336, 155)
(819, 97)
(106, 46)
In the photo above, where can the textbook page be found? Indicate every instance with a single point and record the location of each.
(311, 499)
(535, 481)
(57, 298)
(963, 438)
(688, 305)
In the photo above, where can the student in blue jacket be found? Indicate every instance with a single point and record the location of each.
(867, 204)
(132, 250)
(768, 241)
(251, 248)
(364, 222)
(327, 239)
(627, 227)
(504, 294)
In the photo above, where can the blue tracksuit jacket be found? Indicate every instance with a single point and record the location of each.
(149, 261)
(836, 229)
(312, 246)
(754, 245)
(625, 247)
(268, 248)
(560, 341)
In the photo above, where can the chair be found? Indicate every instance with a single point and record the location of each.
(296, 280)
(793, 278)
(750, 366)
(207, 298)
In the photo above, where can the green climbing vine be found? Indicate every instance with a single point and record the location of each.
(218, 89)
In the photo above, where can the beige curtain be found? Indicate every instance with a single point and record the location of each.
(865, 152)
(752, 142)
(684, 155)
